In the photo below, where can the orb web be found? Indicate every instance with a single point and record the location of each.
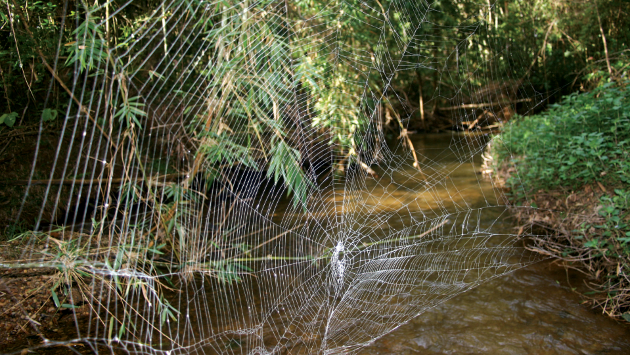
(240, 177)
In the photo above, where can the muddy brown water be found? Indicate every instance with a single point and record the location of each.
(530, 311)
(535, 310)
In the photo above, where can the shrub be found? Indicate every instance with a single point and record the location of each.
(582, 140)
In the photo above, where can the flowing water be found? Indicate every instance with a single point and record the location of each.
(535, 310)
(530, 311)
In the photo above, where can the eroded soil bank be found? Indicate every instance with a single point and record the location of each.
(581, 228)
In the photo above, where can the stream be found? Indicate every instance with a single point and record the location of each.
(535, 310)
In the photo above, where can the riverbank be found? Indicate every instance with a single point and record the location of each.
(28, 311)
(567, 176)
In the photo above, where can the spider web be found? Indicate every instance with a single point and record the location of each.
(226, 262)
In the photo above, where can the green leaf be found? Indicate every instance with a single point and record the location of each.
(130, 110)
(111, 328)
(592, 243)
(83, 273)
(49, 114)
(626, 316)
(285, 163)
(243, 267)
(8, 118)
(55, 298)
(121, 331)
(157, 75)
(155, 251)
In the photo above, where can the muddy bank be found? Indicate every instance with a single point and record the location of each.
(28, 312)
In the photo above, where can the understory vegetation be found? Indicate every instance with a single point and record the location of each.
(571, 163)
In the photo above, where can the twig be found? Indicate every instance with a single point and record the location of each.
(17, 49)
(6, 91)
(542, 50)
(601, 29)
(6, 146)
(366, 167)
(274, 238)
(16, 133)
(167, 177)
(404, 134)
(482, 105)
(33, 324)
(365, 245)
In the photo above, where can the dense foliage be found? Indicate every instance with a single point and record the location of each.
(456, 50)
(522, 52)
(584, 139)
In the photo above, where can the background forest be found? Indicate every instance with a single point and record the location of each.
(143, 125)
(551, 46)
